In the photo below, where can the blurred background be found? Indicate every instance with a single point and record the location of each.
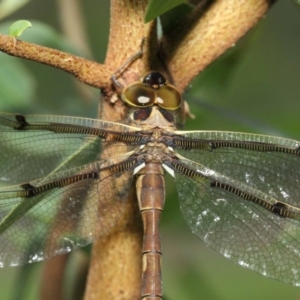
(254, 87)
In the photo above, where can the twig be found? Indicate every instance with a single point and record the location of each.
(89, 72)
(204, 35)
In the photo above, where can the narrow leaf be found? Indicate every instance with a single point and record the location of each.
(156, 8)
(8, 7)
(17, 28)
(297, 3)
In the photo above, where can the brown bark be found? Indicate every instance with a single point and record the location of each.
(197, 42)
(87, 71)
(116, 263)
(52, 278)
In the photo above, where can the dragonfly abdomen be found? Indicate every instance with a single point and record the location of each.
(151, 196)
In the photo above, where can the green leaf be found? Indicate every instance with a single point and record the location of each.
(44, 35)
(17, 86)
(173, 16)
(7, 7)
(156, 8)
(19, 210)
(17, 28)
(297, 3)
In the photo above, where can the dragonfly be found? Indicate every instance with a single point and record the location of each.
(64, 181)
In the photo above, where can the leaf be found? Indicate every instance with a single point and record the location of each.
(156, 8)
(297, 3)
(17, 86)
(173, 16)
(17, 28)
(45, 35)
(7, 7)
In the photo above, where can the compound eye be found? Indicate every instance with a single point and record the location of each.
(138, 95)
(142, 114)
(168, 97)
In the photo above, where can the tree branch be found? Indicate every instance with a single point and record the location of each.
(116, 264)
(87, 71)
(52, 278)
(204, 35)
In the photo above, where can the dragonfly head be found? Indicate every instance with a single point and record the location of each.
(151, 95)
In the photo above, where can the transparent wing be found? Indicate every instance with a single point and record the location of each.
(68, 211)
(46, 206)
(250, 233)
(29, 154)
(276, 173)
